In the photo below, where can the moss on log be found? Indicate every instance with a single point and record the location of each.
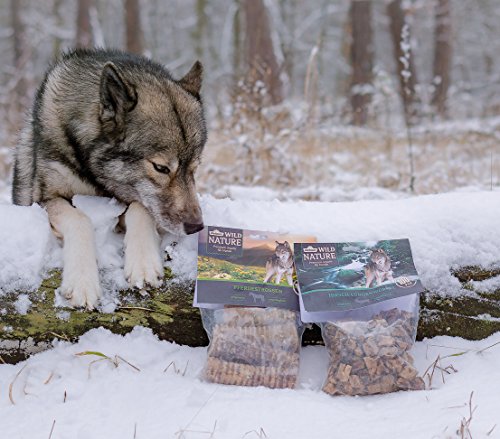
(168, 312)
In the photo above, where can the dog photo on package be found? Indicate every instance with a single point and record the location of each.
(249, 307)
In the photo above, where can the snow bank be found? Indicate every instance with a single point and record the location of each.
(91, 399)
(445, 231)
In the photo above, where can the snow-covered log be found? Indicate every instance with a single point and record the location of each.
(455, 241)
(168, 312)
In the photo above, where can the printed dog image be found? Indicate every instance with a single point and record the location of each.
(378, 268)
(108, 123)
(280, 263)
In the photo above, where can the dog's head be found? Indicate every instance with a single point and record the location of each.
(283, 250)
(379, 258)
(156, 131)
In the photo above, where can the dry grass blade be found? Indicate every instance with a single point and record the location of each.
(488, 347)
(11, 385)
(260, 434)
(176, 370)
(62, 337)
(464, 430)
(52, 429)
(436, 366)
(47, 381)
(2, 360)
(491, 431)
(65, 396)
(125, 361)
(136, 307)
(180, 433)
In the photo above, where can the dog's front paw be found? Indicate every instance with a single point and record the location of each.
(81, 290)
(143, 268)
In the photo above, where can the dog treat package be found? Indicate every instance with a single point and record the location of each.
(253, 346)
(249, 307)
(365, 296)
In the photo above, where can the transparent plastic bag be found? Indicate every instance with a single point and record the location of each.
(252, 346)
(369, 349)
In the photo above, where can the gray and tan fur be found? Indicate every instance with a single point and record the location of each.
(378, 268)
(280, 263)
(113, 124)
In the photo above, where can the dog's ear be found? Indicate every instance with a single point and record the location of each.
(191, 82)
(287, 244)
(117, 98)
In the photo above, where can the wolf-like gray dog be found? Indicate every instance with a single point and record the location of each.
(280, 263)
(113, 124)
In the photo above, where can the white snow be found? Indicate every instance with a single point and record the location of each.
(445, 231)
(91, 399)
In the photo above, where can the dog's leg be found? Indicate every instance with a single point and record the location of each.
(80, 283)
(269, 273)
(279, 275)
(289, 278)
(143, 261)
(369, 278)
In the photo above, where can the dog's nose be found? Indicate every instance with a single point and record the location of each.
(190, 228)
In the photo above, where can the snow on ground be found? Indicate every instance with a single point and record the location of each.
(91, 399)
(445, 231)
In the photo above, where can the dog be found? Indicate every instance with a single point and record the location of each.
(378, 268)
(113, 124)
(257, 297)
(280, 263)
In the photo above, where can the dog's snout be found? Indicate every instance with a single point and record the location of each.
(191, 228)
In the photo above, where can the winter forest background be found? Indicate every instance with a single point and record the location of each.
(321, 99)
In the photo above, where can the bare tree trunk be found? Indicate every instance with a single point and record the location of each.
(361, 55)
(133, 29)
(442, 55)
(84, 37)
(400, 34)
(199, 31)
(260, 57)
(21, 57)
(56, 10)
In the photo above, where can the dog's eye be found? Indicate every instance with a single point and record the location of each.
(161, 168)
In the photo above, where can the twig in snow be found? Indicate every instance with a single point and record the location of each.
(11, 385)
(52, 429)
(2, 360)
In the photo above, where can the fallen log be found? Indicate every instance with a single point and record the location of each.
(170, 315)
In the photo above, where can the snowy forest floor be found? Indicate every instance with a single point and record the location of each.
(155, 392)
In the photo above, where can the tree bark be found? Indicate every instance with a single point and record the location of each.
(84, 38)
(169, 313)
(134, 37)
(442, 56)
(259, 53)
(361, 55)
(406, 70)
